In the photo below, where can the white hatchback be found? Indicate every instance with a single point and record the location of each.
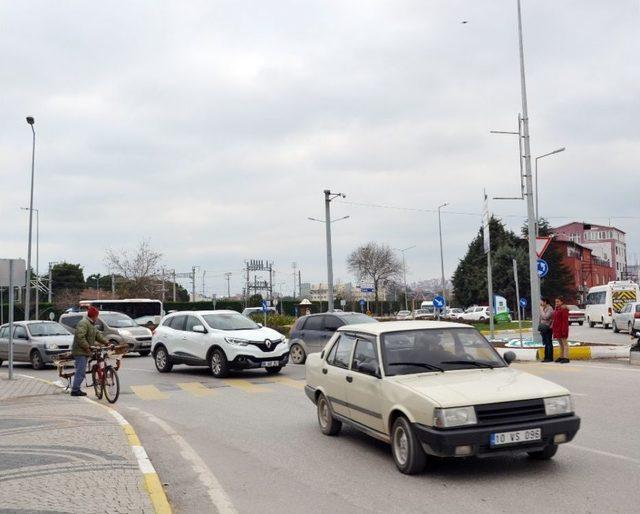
(223, 340)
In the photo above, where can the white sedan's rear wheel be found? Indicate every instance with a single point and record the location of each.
(328, 424)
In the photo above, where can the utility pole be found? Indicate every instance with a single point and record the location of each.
(203, 274)
(174, 286)
(162, 284)
(515, 277)
(50, 283)
(294, 265)
(113, 285)
(328, 196)
(531, 221)
(300, 283)
(487, 249)
(98, 284)
(193, 284)
(444, 289)
(227, 276)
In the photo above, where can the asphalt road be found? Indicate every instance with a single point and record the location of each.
(251, 443)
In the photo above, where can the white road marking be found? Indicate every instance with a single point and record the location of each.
(216, 492)
(143, 459)
(601, 452)
(140, 369)
(615, 368)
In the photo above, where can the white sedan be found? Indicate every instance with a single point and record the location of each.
(435, 389)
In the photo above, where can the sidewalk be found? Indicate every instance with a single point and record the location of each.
(64, 454)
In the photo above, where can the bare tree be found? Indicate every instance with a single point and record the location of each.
(376, 263)
(138, 271)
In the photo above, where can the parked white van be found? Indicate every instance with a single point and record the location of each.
(603, 301)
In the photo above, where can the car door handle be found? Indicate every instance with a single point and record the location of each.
(324, 371)
(349, 379)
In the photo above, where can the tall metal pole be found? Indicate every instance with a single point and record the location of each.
(37, 263)
(515, 278)
(193, 284)
(174, 286)
(27, 298)
(444, 289)
(50, 283)
(98, 285)
(327, 221)
(531, 221)
(203, 275)
(10, 319)
(163, 294)
(404, 273)
(227, 275)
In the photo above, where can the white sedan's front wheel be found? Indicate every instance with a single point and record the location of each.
(407, 452)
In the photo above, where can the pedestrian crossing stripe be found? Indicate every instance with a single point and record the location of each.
(196, 389)
(149, 392)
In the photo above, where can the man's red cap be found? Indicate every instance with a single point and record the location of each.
(92, 312)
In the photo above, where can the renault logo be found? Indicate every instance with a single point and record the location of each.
(268, 343)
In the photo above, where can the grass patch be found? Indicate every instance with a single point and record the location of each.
(506, 325)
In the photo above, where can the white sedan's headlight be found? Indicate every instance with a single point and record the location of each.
(236, 342)
(558, 405)
(454, 417)
(123, 332)
(51, 346)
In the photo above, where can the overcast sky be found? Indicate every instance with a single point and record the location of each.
(213, 127)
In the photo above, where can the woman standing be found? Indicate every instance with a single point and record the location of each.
(546, 320)
(560, 328)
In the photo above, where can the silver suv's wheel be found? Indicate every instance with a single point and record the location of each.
(36, 360)
(297, 354)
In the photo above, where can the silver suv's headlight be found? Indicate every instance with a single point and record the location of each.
(454, 417)
(558, 405)
(236, 342)
(51, 346)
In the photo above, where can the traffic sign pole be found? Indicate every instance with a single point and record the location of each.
(515, 277)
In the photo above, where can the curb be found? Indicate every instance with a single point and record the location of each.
(575, 352)
(152, 482)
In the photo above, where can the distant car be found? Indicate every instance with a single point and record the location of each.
(224, 340)
(576, 315)
(627, 319)
(310, 333)
(424, 314)
(403, 315)
(454, 313)
(37, 342)
(258, 310)
(435, 389)
(117, 327)
(475, 313)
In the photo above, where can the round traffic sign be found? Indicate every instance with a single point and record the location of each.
(362, 302)
(543, 268)
(523, 302)
(439, 302)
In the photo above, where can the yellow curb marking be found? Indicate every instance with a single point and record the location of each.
(246, 386)
(131, 435)
(149, 392)
(196, 389)
(286, 381)
(156, 493)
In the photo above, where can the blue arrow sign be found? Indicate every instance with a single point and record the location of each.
(523, 302)
(362, 302)
(265, 307)
(543, 268)
(439, 302)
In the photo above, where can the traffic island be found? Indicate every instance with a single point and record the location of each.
(634, 355)
(56, 450)
(580, 351)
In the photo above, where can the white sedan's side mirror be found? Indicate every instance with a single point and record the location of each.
(509, 357)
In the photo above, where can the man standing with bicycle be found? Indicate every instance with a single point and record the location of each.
(86, 336)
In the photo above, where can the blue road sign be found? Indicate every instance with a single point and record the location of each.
(523, 302)
(265, 307)
(543, 268)
(439, 302)
(366, 289)
(362, 302)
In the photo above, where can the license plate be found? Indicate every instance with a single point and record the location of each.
(270, 364)
(517, 436)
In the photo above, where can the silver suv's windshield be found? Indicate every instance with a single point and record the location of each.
(355, 318)
(417, 351)
(230, 321)
(47, 328)
(117, 320)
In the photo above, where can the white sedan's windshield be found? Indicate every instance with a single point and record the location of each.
(230, 321)
(417, 351)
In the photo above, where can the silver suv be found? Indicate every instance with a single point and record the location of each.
(118, 328)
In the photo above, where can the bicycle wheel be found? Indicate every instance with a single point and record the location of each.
(98, 381)
(111, 385)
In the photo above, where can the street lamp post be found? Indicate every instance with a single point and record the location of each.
(404, 273)
(444, 292)
(37, 259)
(27, 297)
(536, 171)
(328, 196)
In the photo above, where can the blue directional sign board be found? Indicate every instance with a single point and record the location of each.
(366, 289)
(439, 302)
(543, 268)
(523, 302)
(265, 307)
(362, 302)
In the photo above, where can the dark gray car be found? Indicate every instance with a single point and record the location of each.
(310, 333)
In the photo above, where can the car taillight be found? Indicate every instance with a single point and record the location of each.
(636, 315)
(609, 311)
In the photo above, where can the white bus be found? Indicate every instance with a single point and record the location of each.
(603, 301)
(144, 311)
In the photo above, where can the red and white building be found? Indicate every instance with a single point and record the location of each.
(606, 243)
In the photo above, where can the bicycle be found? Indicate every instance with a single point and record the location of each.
(104, 375)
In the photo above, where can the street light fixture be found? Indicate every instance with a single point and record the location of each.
(537, 159)
(27, 296)
(404, 272)
(444, 292)
(37, 260)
